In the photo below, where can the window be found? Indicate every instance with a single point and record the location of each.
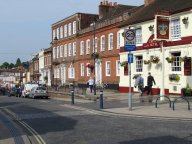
(56, 72)
(108, 68)
(138, 36)
(96, 45)
(175, 28)
(88, 46)
(69, 49)
(65, 31)
(69, 29)
(74, 27)
(65, 50)
(110, 41)
(102, 43)
(74, 48)
(54, 53)
(54, 34)
(61, 51)
(58, 33)
(139, 63)
(118, 40)
(61, 32)
(71, 72)
(176, 64)
(58, 52)
(82, 48)
(88, 70)
(82, 69)
(117, 68)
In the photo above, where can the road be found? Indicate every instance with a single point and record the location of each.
(57, 122)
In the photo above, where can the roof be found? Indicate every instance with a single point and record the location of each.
(148, 12)
(116, 11)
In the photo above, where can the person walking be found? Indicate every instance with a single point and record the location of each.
(150, 81)
(91, 82)
(140, 83)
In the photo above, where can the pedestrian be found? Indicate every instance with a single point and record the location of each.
(150, 81)
(91, 82)
(139, 83)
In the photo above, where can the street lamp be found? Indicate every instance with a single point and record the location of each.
(55, 41)
(94, 56)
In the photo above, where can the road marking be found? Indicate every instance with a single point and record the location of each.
(30, 129)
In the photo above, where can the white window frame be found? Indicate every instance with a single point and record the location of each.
(110, 41)
(65, 31)
(54, 52)
(102, 43)
(88, 43)
(82, 69)
(69, 29)
(138, 32)
(65, 50)
(54, 34)
(118, 65)
(61, 32)
(61, 51)
(139, 63)
(74, 27)
(71, 72)
(58, 33)
(74, 48)
(96, 44)
(175, 26)
(108, 68)
(118, 40)
(82, 45)
(88, 70)
(176, 64)
(57, 51)
(69, 49)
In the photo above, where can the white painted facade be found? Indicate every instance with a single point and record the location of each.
(161, 77)
(41, 67)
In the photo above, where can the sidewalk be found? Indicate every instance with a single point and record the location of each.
(117, 104)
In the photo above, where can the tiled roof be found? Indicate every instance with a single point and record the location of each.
(148, 12)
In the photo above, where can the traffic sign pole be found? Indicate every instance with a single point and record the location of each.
(129, 95)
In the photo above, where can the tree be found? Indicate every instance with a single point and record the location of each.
(18, 62)
(25, 64)
(11, 65)
(5, 65)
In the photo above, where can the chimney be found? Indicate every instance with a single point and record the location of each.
(147, 2)
(105, 7)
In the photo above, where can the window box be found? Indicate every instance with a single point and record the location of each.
(174, 77)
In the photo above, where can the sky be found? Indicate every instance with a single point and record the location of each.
(25, 25)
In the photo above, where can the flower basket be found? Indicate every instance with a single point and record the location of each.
(174, 77)
(135, 76)
(94, 55)
(90, 66)
(123, 64)
(155, 59)
(185, 59)
(147, 62)
(170, 60)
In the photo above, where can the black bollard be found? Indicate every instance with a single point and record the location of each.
(101, 98)
(72, 96)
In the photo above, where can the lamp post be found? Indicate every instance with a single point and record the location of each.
(94, 34)
(55, 41)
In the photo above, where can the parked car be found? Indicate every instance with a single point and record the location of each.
(39, 91)
(12, 91)
(27, 89)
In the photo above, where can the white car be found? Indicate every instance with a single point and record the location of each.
(38, 92)
(27, 89)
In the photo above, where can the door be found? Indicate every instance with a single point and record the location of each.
(98, 70)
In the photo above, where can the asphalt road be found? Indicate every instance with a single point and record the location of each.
(56, 123)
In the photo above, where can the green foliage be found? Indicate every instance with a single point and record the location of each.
(5, 65)
(188, 90)
(18, 62)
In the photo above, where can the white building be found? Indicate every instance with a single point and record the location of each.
(172, 72)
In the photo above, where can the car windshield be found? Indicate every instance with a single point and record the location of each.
(41, 88)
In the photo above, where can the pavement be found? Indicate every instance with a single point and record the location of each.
(116, 103)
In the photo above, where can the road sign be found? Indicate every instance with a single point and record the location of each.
(129, 39)
(130, 58)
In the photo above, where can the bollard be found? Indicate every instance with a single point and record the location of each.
(72, 96)
(101, 99)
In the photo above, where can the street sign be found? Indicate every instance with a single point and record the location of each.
(130, 58)
(130, 40)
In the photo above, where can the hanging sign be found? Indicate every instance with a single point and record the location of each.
(129, 39)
